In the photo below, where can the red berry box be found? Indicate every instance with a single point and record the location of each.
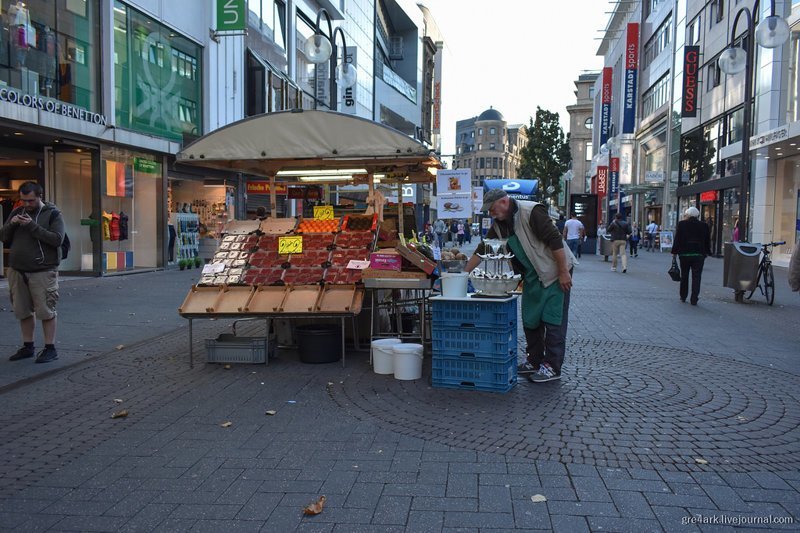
(340, 258)
(359, 239)
(263, 259)
(339, 276)
(262, 276)
(310, 258)
(317, 241)
(303, 275)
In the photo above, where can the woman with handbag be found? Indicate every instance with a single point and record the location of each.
(691, 245)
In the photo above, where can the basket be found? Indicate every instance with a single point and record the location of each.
(475, 314)
(484, 344)
(228, 348)
(466, 373)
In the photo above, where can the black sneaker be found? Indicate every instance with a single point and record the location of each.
(525, 369)
(47, 355)
(544, 374)
(22, 353)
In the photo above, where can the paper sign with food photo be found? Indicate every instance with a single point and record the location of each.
(455, 205)
(454, 181)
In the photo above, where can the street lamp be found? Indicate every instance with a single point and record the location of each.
(771, 32)
(319, 48)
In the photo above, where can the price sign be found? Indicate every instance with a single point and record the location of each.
(323, 212)
(290, 245)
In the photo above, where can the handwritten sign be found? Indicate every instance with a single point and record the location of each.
(323, 212)
(357, 265)
(290, 245)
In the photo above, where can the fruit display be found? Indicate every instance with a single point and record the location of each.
(355, 239)
(360, 223)
(313, 225)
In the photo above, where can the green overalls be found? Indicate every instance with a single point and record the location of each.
(539, 304)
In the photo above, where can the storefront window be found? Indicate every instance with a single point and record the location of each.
(131, 186)
(50, 49)
(199, 210)
(158, 77)
(787, 206)
(305, 73)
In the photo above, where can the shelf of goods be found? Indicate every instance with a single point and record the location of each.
(187, 235)
(474, 343)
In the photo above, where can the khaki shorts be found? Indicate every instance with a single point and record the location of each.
(38, 295)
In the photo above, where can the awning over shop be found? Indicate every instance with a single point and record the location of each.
(302, 140)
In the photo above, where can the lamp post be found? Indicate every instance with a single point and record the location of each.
(320, 48)
(771, 32)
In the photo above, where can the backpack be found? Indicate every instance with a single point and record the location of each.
(65, 244)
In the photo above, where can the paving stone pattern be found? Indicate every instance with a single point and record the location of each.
(612, 447)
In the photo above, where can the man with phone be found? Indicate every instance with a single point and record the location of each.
(34, 233)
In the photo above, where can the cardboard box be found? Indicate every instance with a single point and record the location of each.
(417, 259)
(387, 259)
(371, 273)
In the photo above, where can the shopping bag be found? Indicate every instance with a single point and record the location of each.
(674, 271)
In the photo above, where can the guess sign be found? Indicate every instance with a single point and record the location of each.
(691, 62)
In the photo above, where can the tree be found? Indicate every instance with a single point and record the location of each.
(546, 155)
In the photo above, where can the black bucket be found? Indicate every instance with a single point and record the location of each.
(319, 343)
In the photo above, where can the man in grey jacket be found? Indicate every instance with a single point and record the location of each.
(34, 233)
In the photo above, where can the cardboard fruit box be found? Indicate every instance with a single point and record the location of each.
(385, 260)
(416, 259)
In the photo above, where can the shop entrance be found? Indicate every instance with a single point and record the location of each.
(69, 184)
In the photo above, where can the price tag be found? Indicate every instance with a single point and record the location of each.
(437, 254)
(323, 212)
(357, 265)
(213, 268)
(290, 245)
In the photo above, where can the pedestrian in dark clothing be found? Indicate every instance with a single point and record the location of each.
(34, 233)
(691, 245)
(619, 230)
(636, 236)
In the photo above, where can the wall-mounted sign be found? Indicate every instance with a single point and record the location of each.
(631, 73)
(691, 67)
(602, 181)
(51, 106)
(605, 105)
(652, 176)
(231, 15)
(263, 187)
(708, 197)
(770, 137)
(613, 175)
(148, 166)
(347, 98)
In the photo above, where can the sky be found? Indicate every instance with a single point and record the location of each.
(514, 55)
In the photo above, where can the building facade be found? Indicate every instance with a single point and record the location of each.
(581, 120)
(96, 98)
(489, 146)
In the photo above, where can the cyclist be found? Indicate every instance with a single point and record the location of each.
(692, 244)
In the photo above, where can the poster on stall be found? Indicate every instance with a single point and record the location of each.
(455, 205)
(665, 239)
(453, 181)
(477, 200)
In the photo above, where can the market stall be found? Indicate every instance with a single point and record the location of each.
(288, 268)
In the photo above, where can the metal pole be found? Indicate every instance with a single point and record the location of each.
(747, 119)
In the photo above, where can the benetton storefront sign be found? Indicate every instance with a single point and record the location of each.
(51, 106)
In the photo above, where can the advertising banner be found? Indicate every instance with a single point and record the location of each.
(613, 175)
(602, 181)
(455, 205)
(631, 74)
(262, 187)
(453, 181)
(605, 107)
(347, 96)
(518, 189)
(691, 67)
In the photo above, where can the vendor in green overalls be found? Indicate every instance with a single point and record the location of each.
(546, 266)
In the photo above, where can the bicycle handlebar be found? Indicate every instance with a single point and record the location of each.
(776, 243)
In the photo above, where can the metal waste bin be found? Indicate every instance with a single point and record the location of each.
(740, 265)
(605, 246)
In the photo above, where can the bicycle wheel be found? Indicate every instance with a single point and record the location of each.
(769, 284)
(758, 282)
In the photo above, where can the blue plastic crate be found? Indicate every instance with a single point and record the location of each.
(475, 313)
(468, 373)
(478, 343)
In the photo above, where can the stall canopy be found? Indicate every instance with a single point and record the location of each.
(277, 144)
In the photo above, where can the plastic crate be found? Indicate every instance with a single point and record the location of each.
(228, 348)
(475, 313)
(467, 373)
(478, 343)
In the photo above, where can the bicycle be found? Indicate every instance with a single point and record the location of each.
(765, 273)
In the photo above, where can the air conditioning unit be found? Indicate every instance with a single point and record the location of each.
(396, 47)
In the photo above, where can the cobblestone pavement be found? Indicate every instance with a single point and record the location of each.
(669, 418)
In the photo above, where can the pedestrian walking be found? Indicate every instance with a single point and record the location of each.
(439, 228)
(573, 232)
(453, 231)
(691, 245)
(634, 239)
(619, 230)
(460, 233)
(546, 266)
(467, 233)
(735, 234)
(794, 268)
(34, 233)
(652, 230)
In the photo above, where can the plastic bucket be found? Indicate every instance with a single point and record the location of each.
(382, 355)
(454, 285)
(407, 361)
(319, 343)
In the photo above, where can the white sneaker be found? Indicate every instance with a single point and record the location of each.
(613, 269)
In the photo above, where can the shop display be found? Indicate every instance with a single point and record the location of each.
(187, 226)
(494, 276)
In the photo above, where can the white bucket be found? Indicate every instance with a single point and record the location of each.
(454, 285)
(382, 355)
(407, 361)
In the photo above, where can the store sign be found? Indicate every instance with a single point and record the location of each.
(323, 212)
(602, 181)
(691, 67)
(631, 72)
(708, 197)
(347, 102)
(51, 106)
(148, 166)
(613, 175)
(304, 193)
(231, 15)
(605, 107)
(652, 176)
(263, 187)
(770, 137)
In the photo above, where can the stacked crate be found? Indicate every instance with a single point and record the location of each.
(474, 343)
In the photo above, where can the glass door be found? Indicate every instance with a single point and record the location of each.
(71, 185)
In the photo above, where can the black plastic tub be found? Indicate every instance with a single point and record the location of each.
(319, 343)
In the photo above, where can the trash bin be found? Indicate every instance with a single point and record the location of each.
(740, 265)
(605, 246)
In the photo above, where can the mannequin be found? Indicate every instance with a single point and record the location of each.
(50, 51)
(19, 22)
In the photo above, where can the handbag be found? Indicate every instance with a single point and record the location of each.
(674, 271)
